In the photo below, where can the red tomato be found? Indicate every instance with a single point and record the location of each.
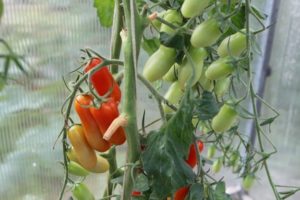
(104, 116)
(136, 193)
(181, 193)
(92, 133)
(192, 159)
(103, 80)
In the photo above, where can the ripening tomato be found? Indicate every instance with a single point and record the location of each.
(81, 192)
(104, 116)
(92, 133)
(233, 45)
(197, 56)
(181, 193)
(225, 118)
(206, 33)
(173, 17)
(219, 69)
(102, 165)
(103, 81)
(173, 95)
(192, 157)
(159, 63)
(193, 8)
(84, 153)
(76, 169)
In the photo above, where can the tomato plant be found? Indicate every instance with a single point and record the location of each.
(203, 49)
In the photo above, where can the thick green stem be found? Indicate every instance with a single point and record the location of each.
(130, 40)
(115, 36)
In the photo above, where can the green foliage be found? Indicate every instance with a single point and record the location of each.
(105, 11)
(150, 45)
(166, 148)
(196, 192)
(1, 8)
(206, 106)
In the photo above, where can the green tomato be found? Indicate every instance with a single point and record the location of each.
(248, 181)
(76, 169)
(186, 70)
(217, 165)
(233, 45)
(173, 95)
(193, 8)
(81, 192)
(211, 151)
(219, 69)
(159, 63)
(222, 86)
(156, 23)
(173, 17)
(224, 120)
(206, 33)
(205, 83)
(172, 74)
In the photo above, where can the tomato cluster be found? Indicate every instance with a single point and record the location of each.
(87, 137)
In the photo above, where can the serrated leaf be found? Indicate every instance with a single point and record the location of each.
(196, 192)
(150, 45)
(105, 11)
(268, 121)
(207, 106)
(166, 148)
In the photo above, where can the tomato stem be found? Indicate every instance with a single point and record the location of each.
(131, 42)
(120, 121)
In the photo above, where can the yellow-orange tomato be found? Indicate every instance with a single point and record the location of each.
(84, 153)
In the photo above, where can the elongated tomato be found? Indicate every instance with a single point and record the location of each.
(181, 193)
(103, 80)
(92, 133)
(225, 118)
(104, 116)
(84, 153)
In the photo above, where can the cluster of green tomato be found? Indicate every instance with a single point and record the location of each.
(212, 75)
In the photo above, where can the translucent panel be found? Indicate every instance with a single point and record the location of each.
(50, 34)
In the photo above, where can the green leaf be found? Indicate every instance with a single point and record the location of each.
(166, 148)
(141, 183)
(105, 11)
(173, 41)
(196, 192)
(219, 192)
(207, 106)
(150, 45)
(1, 8)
